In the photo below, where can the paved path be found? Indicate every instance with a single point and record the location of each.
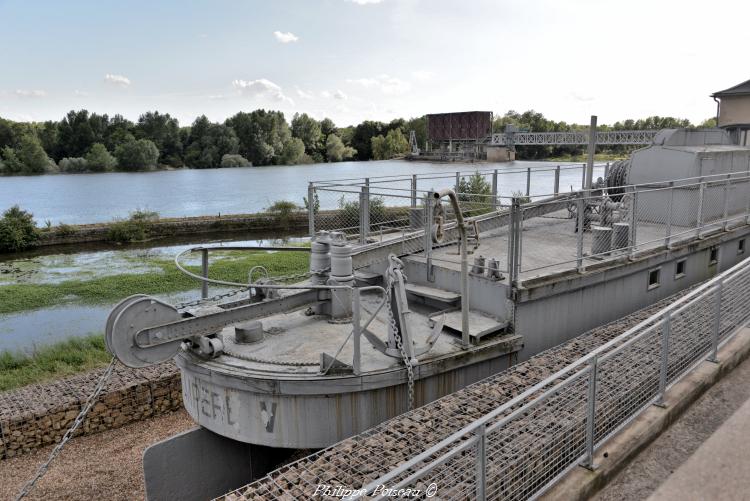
(690, 445)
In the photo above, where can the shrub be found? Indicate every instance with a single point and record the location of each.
(523, 199)
(11, 163)
(229, 160)
(350, 211)
(75, 164)
(137, 155)
(65, 230)
(282, 211)
(17, 230)
(134, 229)
(32, 156)
(99, 159)
(475, 195)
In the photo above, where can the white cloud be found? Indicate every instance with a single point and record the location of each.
(215, 97)
(422, 75)
(387, 84)
(287, 37)
(30, 93)
(80, 93)
(365, 2)
(304, 94)
(261, 88)
(118, 80)
(340, 95)
(325, 94)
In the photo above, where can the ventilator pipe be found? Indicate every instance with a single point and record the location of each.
(464, 262)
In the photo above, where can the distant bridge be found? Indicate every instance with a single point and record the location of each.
(512, 138)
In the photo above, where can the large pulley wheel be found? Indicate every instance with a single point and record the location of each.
(137, 314)
(113, 316)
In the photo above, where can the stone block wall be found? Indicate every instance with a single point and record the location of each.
(40, 414)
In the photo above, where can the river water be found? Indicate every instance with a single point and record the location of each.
(91, 198)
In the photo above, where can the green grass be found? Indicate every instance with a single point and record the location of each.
(52, 361)
(233, 267)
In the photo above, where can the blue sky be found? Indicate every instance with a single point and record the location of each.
(367, 59)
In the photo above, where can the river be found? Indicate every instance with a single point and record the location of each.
(92, 198)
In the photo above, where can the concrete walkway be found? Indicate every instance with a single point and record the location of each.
(718, 469)
(704, 455)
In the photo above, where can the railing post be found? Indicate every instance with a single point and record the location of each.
(356, 325)
(428, 223)
(579, 236)
(204, 273)
(716, 330)
(557, 181)
(311, 209)
(606, 170)
(481, 474)
(583, 176)
(747, 198)
(663, 371)
(726, 202)
(528, 181)
(513, 247)
(668, 236)
(458, 182)
(413, 191)
(634, 223)
(364, 213)
(494, 189)
(699, 217)
(588, 461)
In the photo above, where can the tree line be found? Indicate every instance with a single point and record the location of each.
(90, 142)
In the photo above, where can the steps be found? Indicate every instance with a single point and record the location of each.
(480, 324)
(433, 295)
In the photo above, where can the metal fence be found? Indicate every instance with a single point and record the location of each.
(524, 446)
(536, 234)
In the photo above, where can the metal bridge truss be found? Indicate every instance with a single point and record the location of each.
(513, 139)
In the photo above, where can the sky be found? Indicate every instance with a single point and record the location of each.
(352, 60)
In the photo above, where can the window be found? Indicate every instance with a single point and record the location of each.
(741, 246)
(713, 256)
(654, 278)
(679, 269)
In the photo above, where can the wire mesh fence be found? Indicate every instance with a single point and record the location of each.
(523, 447)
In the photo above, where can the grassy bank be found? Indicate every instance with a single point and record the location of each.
(230, 266)
(52, 361)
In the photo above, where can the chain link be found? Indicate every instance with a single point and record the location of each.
(69, 434)
(269, 361)
(397, 335)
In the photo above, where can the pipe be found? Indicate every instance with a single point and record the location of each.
(464, 263)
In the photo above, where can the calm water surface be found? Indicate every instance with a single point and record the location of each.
(90, 198)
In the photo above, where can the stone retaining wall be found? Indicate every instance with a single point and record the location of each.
(40, 414)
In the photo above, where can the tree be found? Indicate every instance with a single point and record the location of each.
(327, 127)
(120, 131)
(708, 123)
(361, 139)
(137, 154)
(78, 131)
(263, 136)
(208, 143)
(308, 130)
(99, 159)
(392, 145)
(73, 165)
(33, 157)
(17, 230)
(336, 151)
(235, 161)
(293, 151)
(11, 163)
(164, 131)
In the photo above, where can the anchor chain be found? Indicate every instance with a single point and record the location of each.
(69, 434)
(397, 335)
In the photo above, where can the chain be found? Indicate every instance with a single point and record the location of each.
(269, 361)
(234, 292)
(397, 335)
(69, 434)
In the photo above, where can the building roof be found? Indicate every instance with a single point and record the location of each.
(737, 90)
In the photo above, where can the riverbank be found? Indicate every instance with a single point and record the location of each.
(265, 222)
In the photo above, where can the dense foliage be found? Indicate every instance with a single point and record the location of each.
(89, 142)
(17, 230)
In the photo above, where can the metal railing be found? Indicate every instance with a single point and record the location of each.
(525, 445)
(538, 234)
